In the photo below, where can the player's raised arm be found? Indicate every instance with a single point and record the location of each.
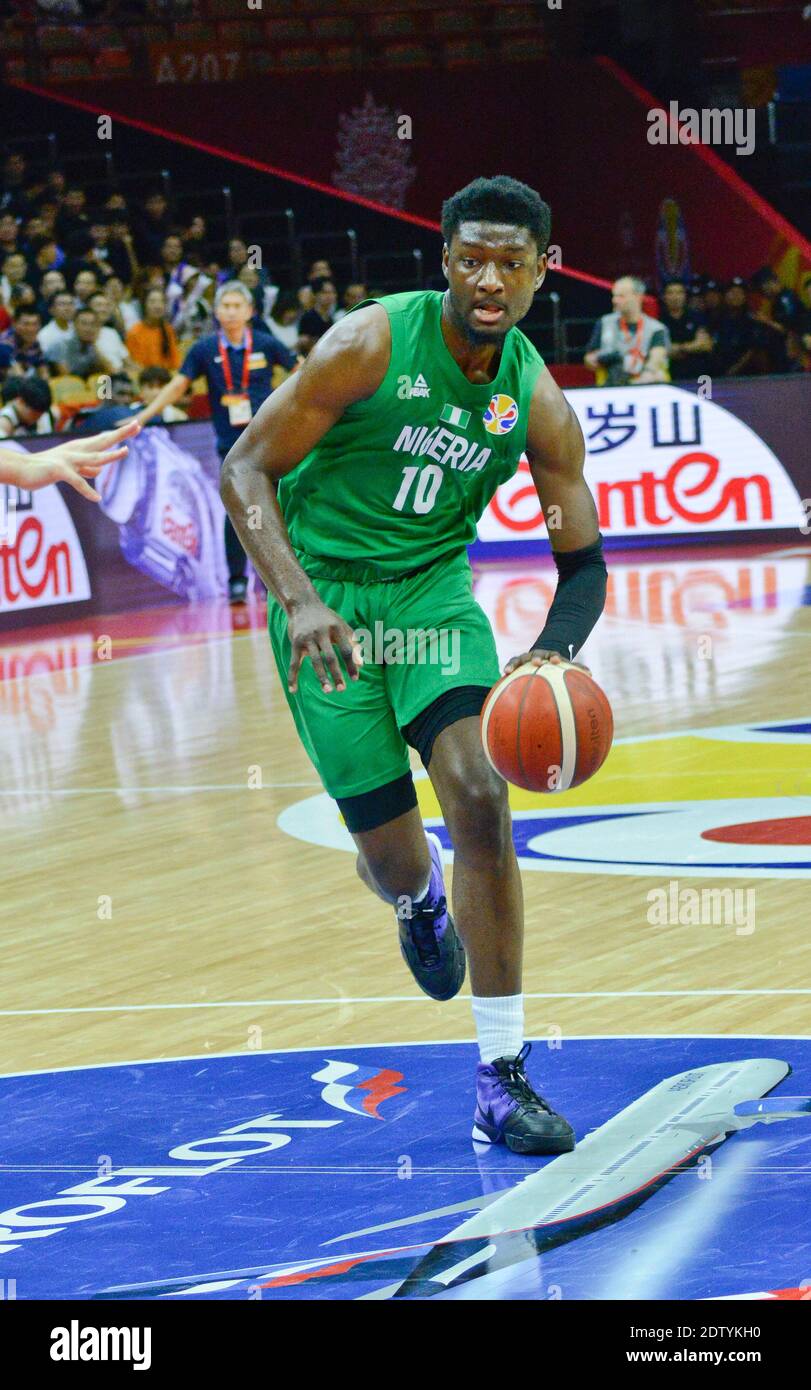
(348, 364)
(556, 454)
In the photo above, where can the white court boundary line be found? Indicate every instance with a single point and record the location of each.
(431, 1042)
(190, 789)
(340, 1000)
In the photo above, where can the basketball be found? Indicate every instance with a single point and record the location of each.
(546, 728)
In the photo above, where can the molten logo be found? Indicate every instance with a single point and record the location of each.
(647, 489)
(657, 501)
(30, 568)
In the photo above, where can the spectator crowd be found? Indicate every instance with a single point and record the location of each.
(100, 304)
(701, 329)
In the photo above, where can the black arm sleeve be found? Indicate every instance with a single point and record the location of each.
(579, 600)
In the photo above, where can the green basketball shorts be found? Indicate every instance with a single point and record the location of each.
(420, 636)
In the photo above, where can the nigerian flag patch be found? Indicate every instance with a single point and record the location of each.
(452, 415)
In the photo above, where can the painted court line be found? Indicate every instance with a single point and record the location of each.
(341, 1000)
(352, 1047)
(341, 1170)
(106, 791)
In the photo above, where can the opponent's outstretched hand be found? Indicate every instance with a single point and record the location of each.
(70, 462)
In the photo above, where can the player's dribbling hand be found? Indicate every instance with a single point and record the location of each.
(317, 631)
(538, 656)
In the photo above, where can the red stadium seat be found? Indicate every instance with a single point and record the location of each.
(568, 374)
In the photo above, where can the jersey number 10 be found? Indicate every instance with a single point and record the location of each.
(430, 479)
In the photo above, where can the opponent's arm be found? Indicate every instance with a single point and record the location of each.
(346, 365)
(70, 462)
(556, 453)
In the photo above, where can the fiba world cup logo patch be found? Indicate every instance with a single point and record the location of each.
(500, 415)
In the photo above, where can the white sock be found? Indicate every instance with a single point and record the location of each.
(499, 1025)
(418, 897)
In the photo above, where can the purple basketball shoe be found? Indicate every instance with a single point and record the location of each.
(509, 1111)
(428, 941)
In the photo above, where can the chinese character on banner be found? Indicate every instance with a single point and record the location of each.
(611, 425)
(677, 409)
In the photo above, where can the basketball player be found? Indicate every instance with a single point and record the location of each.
(368, 471)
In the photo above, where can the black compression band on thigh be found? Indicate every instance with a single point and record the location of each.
(368, 810)
(458, 703)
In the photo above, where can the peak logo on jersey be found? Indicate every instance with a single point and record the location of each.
(407, 389)
(501, 414)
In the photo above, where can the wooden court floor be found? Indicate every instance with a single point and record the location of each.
(153, 906)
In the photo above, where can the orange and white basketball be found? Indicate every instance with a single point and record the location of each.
(546, 728)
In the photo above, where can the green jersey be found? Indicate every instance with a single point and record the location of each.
(403, 477)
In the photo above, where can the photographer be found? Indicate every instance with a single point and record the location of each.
(628, 346)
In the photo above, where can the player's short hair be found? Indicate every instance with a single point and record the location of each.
(499, 199)
(233, 287)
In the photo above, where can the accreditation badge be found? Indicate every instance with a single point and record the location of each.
(239, 408)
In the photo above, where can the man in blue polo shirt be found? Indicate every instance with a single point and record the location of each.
(237, 363)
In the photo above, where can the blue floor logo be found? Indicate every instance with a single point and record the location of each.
(349, 1173)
